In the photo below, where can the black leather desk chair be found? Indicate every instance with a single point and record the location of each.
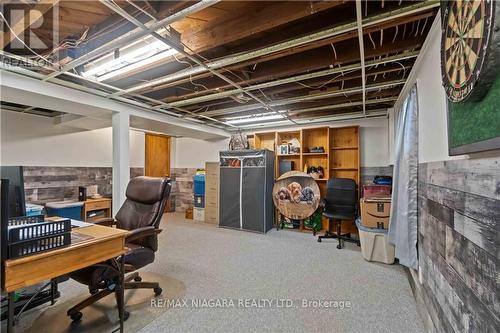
(340, 204)
(141, 214)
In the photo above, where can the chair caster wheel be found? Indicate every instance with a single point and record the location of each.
(158, 291)
(319, 240)
(137, 279)
(93, 291)
(126, 314)
(76, 316)
(339, 246)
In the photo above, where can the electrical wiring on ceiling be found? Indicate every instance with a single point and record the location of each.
(327, 82)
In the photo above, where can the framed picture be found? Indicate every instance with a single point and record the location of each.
(470, 66)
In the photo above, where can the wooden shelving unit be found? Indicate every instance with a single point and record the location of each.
(340, 158)
(344, 160)
(284, 138)
(345, 153)
(265, 141)
(315, 138)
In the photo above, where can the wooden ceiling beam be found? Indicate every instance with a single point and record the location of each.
(308, 96)
(311, 61)
(261, 17)
(264, 17)
(297, 50)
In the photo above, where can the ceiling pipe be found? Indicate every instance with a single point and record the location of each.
(328, 33)
(337, 106)
(344, 105)
(331, 71)
(319, 120)
(165, 40)
(305, 98)
(359, 19)
(128, 38)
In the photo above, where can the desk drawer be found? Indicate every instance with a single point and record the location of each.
(96, 205)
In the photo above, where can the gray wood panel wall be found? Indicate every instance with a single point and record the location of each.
(45, 184)
(458, 243)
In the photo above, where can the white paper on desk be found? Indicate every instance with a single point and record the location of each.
(80, 224)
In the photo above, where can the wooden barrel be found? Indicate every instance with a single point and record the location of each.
(296, 195)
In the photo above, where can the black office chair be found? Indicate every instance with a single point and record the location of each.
(340, 204)
(140, 214)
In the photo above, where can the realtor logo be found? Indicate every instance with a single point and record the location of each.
(29, 26)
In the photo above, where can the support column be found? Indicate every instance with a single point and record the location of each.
(121, 161)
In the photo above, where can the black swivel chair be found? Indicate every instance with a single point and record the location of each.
(340, 204)
(140, 214)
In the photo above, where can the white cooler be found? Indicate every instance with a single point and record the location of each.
(375, 244)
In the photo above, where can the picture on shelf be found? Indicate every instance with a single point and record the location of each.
(284, 149)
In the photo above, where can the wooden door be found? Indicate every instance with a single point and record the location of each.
(157, 157)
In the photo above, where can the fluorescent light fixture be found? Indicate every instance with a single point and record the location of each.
(129, 61)
(258, 118)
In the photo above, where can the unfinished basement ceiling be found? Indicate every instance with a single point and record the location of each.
(234, 64)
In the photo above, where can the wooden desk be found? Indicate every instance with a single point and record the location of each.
(104, 243)
(91, 205)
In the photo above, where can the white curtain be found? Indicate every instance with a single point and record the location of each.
(404, 215)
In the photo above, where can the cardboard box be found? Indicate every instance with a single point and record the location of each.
(375, 212)
(189, 213)
(199, 214)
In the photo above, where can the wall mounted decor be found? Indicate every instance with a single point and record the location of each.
(470, 64)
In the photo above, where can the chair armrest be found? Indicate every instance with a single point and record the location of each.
(105, 221)
(141, 233)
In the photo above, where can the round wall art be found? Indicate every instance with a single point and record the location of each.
(296, 195)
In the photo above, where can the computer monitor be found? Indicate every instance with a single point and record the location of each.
(16, 199)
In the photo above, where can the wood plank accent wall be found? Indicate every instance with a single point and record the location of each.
(458, 243)
(45, 183)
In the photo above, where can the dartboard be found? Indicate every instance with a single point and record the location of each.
(468, 27)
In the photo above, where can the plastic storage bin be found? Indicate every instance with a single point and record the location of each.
(375, 244)
(199, 201)
(67, 209)
(33, 210)
(374, 191)
(199, 214)
(199, 184)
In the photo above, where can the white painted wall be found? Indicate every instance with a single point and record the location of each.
(193, 153)
(36, 141)
(432, 108)
(432, 129)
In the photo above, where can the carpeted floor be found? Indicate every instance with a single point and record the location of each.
(276, 270)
